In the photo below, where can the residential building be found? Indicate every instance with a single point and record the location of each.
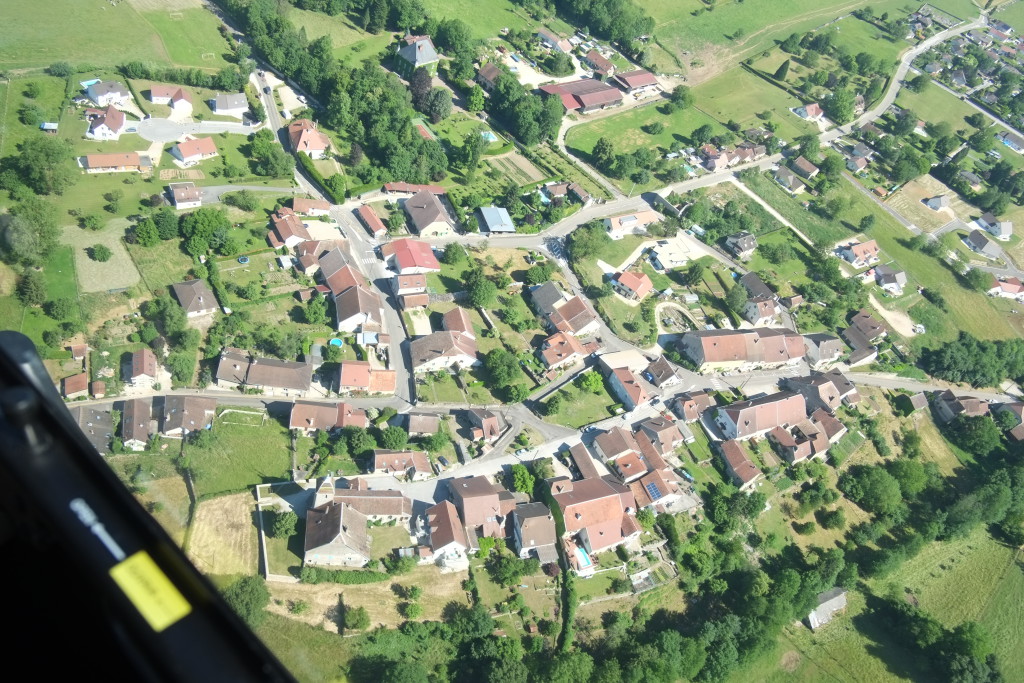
(633, 359)
(305, 137)
(137, 423)
(860, 254)
(756, 287)
(891, 280)
(114, 163)
(416, 52)
(383, 506)
(574, 317)
(496, 220)
(415, 283)
(230, 104)
(447, 537)
(811, 112)
(487, 425)
(659, 491)
(864, 332)
(308, 417)
(410, 465)
(107, 126)
(106, 93)
(561, 350)
(1007, 288)
(338, 274)
(637, 82)
(949, 406)
(829, 604)
(422, 424)
(938, 202)
(357, 307)
(286, 229)
(185, 196)
(743, 471)
(689, 406)
(628, 388)
(760, 311)
(805, 168)
(428, 215)
(615, 443)
(488, 75)
(192, 151)
(756, 417)
(360, 376)
(96, 424)
(483, 506)
(186, 414)
(763, 347)
(405, 256)
(631, 223)
(196, 297)
(443, 351)
(741, 244)
(596, 519)
(981, 244)
(661, 373)
(237, 369)
(369, 218)
(663, 433)
(827, 390)
(856, 164)
(1011, 140)
(143, 373)
(596, 61)
(634, 286)
(1001, 230)
(304, 206)
(585, 95)
(335, 537)
(554, 42)
(790, 180)
(669, 254)
(533, 528)
(174, 96)
(457, 320)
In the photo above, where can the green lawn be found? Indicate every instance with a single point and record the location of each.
(818, 230)
(444, 390)
(311, 653)
(785, 275)
(582, 407)
(739, 95)
(240, 457)
(859, 36)
(162, 264)
(190, 37)
(284, 554)
(935, 105)
(350, 43)
(12, 98)
(484, 25)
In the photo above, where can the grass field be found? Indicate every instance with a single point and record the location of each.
(223, 535)
(240, 457)
(936, 105)
(94, 276)
(582, 407)
(350, 43)
(162, 264)
(817, 229)
(854, 35)
(785, 275)
(12, 98)
(740, 95)
(483, 24)
(284, 554)
(190, 37)
(309, 652)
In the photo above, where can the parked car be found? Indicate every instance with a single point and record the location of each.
(266, 89)
(521, 452)
(443, 460)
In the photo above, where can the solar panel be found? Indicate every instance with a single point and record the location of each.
(653, 491)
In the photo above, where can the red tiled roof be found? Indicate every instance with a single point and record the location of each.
(410, 253)
(197, 147)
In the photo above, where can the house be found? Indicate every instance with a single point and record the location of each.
(533, 528)
(891, 280)
(495, 219)
(546, 298)
(959, 78)
(174, 96)
(585, 95)
(409, 188)
(448, 540)
(359, 375)
(237, 369)
(483, 506)
(107, 126)
(633, 286)
(760, 311)
(856, 164)
(871, 130)
(369, 218)
(230, 104)
(973, 180)
(114, 163)
(335, 537)
(553, 41)
(756, 417)
(811, 112)
(789, 180)
(824, 390)
(416, 52)
(192, 151)
(858, 104)
(412, 465)
(596, 61)
(96, 424)
(428, 215)
(658, 490)
(948, 406)
(556, 190)
(574, 317)
(385, 506)
(186, 414)
(143, 369)
(631, 223)
(443, 351)
(914, 402)
(1001, 230)
(689, 406)
(185, 196)
(308, 417)
(415, 283)
(629, 467)
(422, 424)
(561, 350)
(78, 351)
(1011, 140)
(933, 68)
(661, 373)
(338, 274)
(136, 423)
(860, 254)
(457, 320)
(106, 93)
(405, 256)
(596, 519)
(628, 388)
(860, 150)
(1007, 288)
(637, 82)
(804, 168)
(864, 332)
(822, 349)
(486, 424)
(719, 350)
(195, 297)
(304, 206)
(741, 244)
(661, 432)
(286, 229)
(756, 287)
(615, 443)
(304, 137)
(669, 254)
(743, 471)
(488, 75)
(828, 604)
(937, 203)
(981, 244)
(581, 195)
(356, 307)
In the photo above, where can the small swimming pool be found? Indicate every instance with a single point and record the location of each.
(335, 342)
(583, 558)
(489, 136)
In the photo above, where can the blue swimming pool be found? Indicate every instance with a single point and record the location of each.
(583, 557)
(335, 342)
(489, 136)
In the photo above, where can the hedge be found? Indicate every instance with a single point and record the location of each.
(315, 575)
(336, 195)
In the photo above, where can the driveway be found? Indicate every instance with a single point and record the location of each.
(166, 130)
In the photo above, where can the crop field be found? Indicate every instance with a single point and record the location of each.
(739, 95)
(223, 536)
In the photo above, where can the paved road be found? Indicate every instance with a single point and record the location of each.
(165, 130)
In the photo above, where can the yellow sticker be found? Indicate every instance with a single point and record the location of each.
(157, 599)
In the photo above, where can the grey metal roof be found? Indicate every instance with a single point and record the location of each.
(419, 53)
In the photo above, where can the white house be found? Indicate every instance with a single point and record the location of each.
(191, 152)
(186, 196)
(1001, 230)
(234, 105)
(107, 126)
(631, 223)
(105, 93)
(860, 254)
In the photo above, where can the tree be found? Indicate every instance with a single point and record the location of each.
(483, 293)
(32, 288)
(316, 309)
(246, 200)
(867, 222)
(590, 381)
(554, 404)
(475, 101)
(166, 220)
(978, 279)
(508, 570)
(420, 84)
(285, 524)
(60, 69)
(682, 96)
(702, 135)
(905, 124)
(61, 309)
(394, 438)
(411, 610)
(522, 479)
(356, 618)
(100, 252)
(839, 106)
(645, 517)
(31, 232)
(977, 435)
(782, 71)
(871, 488)
(809, 145)
(249, 598)
(146, 234)
(736, 298)
(920, 83)
(603, 154)
(517, 393)
(502, 367)
(454, 254)
(439, 104)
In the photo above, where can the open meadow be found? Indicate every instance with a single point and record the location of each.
(740, 96)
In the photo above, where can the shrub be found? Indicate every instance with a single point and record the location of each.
(316, 575)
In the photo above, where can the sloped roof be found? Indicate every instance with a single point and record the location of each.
(441, 345)
(558, 347)
(638, 283)
(424, 209)
(336, 522)
(188, 412)
(197, 147)
(572, 316)
(143, 363)
(457, 320)
(740, 464)
(136, 418)
(401, 461)
(375, 503)
(194, 295)
(304, 137)
(358, 301)
(419, 52)
(409, 253)
(761, 414)
(445, 526)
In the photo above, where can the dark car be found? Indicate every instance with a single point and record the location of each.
(266, 89)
